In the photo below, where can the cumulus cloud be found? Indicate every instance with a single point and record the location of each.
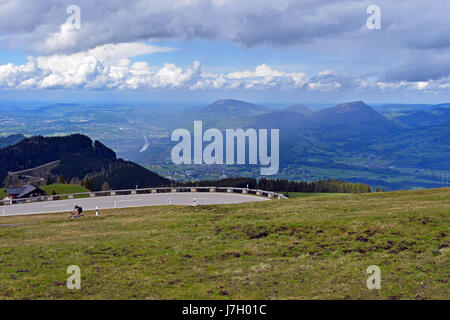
(108, 67)
(264, 77)
(104, 67)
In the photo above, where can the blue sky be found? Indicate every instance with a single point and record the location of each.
(202, 50)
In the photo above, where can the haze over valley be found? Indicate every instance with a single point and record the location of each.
(391, 146)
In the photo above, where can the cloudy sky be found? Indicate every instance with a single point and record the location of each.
(199, 50)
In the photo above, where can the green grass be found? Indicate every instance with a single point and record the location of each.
(2, 193)
(63, 189)
(318, 247)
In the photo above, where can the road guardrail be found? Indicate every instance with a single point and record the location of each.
(257, 192)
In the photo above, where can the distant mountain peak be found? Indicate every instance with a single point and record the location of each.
(236, 107)
(354, 119)
(227, 101)
(233, 103)
(299, 108)
(348, 110)
(354, 106)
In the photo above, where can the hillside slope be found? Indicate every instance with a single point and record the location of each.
(10, 140)
(422, 147)
(317, 247)
(300, 108)
(422, 118)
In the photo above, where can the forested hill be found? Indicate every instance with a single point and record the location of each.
(81, 158)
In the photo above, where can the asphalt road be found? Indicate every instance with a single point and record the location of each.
(128, 201)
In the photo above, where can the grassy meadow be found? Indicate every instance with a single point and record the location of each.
(314, 247)
(63, 189)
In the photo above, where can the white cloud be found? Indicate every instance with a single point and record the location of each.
(108, 67)
(97, 55)
(105, 67)
(264, 77)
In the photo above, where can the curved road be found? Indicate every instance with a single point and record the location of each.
(128, 201)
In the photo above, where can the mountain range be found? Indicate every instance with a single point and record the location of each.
(394, 146)
(350, 140)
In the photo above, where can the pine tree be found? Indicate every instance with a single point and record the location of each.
(105, 186)
(61, 179)
(90, 184)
